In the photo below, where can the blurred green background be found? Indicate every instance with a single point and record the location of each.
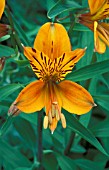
(24, 144)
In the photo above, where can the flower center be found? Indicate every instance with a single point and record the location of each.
(46, 69)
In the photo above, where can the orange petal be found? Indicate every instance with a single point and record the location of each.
(73, 97)
(2, 6)
(38, 61)
(99, 9)
(103, 32)
(67, 61)
(31, 98)
(53, 40)
(95, 5)
(100, 46)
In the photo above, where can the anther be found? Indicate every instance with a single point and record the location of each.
(57, 115)
(45, 122)
(50, 117)
(55, 103)
(53, 110)
(63, 120)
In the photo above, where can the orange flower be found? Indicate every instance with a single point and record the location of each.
(2, 6)
(98, 10)
(52, 59)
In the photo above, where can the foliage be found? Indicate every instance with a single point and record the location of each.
(84, 144)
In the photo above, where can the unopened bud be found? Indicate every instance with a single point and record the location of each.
(2, 63)
(4, 29)
(13, 110)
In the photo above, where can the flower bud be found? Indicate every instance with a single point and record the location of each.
(13, 110)
(4, 29)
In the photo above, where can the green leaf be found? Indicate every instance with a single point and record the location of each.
(8, 89)
(30, 117)
(101, 129)
(65, 163)
(6, 51)
(23, 168)
(49, 161)
(102, 100)
(80, 27)
(6, 37)
(89, 71)
(77, 127)
(62, 6)
(21, 32)
(11, 154)
(88, 165)
(6, 125)
(22, 63)
(26, 131)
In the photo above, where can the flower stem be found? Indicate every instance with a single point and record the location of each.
(69, 145)
(40, 149)
(14, 36)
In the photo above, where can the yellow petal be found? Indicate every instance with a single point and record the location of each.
(2, 6)
(67, 61)
(39, 62)
(73, 97)
(95, 5)
(100, 46)
(103, 32)
(52, 39)
(31, 98)
(99, 9)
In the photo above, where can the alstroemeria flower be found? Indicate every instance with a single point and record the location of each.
(2, 6)
(98, 10)
(51, 60)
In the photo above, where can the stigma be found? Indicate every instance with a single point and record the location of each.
(54, 115)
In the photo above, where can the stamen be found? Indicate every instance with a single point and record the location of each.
(53, 110)
(57, 115)
(50, 117)
(63, 120)
(45, 122)
(55, 103)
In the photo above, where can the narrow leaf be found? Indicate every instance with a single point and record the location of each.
(6, 125)
(8, 89)
(61, 6)
(77, 127)
(89, 71)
